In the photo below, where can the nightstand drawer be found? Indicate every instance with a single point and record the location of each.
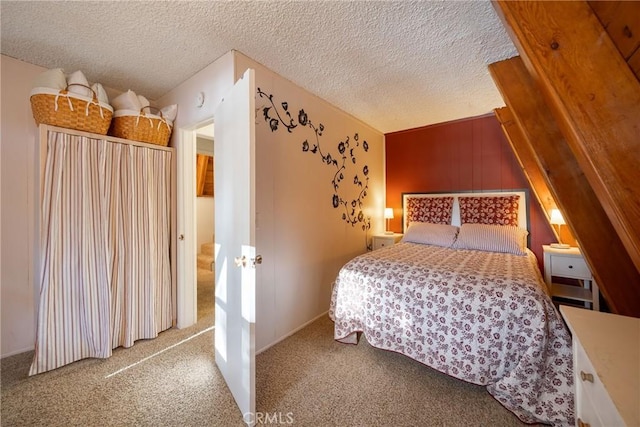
(384, 240)
(570, 267)
(382, 243)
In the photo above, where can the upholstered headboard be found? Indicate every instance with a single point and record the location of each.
(499, 206)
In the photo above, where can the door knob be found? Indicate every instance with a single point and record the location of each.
(242, 261)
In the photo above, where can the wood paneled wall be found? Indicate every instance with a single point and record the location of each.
(464, 155)
(204, 175)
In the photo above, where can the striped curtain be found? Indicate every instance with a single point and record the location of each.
(105, 268)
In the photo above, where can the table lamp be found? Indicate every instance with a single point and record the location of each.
(388, 214)
(557, 219)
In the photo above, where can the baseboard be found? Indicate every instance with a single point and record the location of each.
(284, 337)
(13, 353)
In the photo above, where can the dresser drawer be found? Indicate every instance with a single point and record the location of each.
(605, 346)
(570, 267)
(586, 414)
(593, 404)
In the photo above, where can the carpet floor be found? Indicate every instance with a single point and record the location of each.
(306, 380)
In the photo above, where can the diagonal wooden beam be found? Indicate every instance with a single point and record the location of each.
(634, 63)
(621, 20)
(530, 167)
(593, 95)
(611, 265)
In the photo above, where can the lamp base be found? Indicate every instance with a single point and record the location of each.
(389, 232)
(560, 246)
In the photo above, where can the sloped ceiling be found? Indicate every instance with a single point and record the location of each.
(393, 64)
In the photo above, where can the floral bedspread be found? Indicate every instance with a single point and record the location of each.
(482, 317)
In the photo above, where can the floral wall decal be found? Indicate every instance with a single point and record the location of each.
(343, 162)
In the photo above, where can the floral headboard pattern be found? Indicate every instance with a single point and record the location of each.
(436, 210)
(500, 210)
(504, 207)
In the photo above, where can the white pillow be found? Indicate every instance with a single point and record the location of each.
(144, 102)
(100, 93)
(74, 80)
(430, 234)
(54, 79)
(126, 101)
(493, 238)
(170, 112)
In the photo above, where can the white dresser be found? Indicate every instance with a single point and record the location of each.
(606, 364)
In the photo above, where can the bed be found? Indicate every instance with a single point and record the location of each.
(463, 294)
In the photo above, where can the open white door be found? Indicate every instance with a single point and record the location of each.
(234, 170)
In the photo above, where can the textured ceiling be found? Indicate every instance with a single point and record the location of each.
(393, 64)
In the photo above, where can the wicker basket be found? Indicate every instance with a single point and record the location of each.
(140, 126)
(70, 110)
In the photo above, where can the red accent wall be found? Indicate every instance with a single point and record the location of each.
(463, 155)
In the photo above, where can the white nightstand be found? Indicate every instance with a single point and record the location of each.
(383, 240)
(569, 263)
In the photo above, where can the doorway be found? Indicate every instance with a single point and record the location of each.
(205, 225)
(235, 235)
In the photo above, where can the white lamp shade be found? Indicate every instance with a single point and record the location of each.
(556, 217)
(388, 213)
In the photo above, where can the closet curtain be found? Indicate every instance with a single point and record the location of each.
(105, 267)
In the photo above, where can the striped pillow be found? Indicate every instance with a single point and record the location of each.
(492, 238)
(430, 234)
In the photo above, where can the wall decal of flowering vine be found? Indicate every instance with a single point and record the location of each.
(277, 116)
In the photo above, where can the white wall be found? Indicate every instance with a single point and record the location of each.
(19, 180)
(205, 213)
(205, 206)
(214, 81)
(19, 166)
(300, 235)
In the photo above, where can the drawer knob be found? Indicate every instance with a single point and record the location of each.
(571, 266)
(582, 423)
(586, 377)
